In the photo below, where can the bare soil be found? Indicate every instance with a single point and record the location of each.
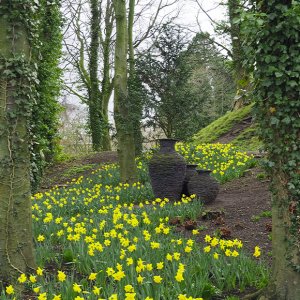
(242, 211)
(235, 130)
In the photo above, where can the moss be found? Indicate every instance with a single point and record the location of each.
(73, 171)
(222, 125)
(248, 139)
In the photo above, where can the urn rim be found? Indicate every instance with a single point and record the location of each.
(203, 171)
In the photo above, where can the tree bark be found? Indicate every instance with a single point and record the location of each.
(136, 106)
(125, 133)
(277, 82)
(16, 237)
(95, 113)
(240, 73)
(285, 281)
(107, 85)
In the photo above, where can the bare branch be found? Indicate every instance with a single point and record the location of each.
(75, 93)
(228, 51)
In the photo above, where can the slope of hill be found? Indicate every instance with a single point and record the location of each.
(235, 127)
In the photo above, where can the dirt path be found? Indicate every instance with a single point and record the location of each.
(242, 210)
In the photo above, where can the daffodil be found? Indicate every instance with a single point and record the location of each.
(96, 290)
(93, 276)
(22, 278)
(76, 288)
(42, 296)
(128, 288)
(9, 290)
(257, 251)
(40, 238)
(61, 276)
(157, 279)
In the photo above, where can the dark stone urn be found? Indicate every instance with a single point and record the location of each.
(190, 172)
(203, 185)
(167, 170)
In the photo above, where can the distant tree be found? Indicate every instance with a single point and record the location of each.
(96, 117)
(241, 74)
(91, 21)
(231, 28)
(165, 76)
(134, 87)
(182, 79)
(89, 57)
(211, 79)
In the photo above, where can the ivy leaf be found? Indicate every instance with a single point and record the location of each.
(260, 22)
(292, 163)
(274, 121)
(13, 82)
(292, 83)
(287, 120)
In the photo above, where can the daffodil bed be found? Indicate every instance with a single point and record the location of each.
(100, 239)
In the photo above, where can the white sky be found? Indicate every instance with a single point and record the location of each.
(191, 13)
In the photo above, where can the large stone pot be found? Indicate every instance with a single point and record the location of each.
(190, 172)
(204, 186)
(167, 170)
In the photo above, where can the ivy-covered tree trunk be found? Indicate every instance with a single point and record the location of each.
(45, 116)
(95, 106)
(277, 76)
(125, 133)
(107, 83)
(241, 75)
(133, 85)
(17, 82)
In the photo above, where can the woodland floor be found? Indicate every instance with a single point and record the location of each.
(241, 209)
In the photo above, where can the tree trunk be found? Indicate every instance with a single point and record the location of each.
(107, 85)
(276, 76)
(46, 112)
(136, 106)
(125, 133)
(240, 73)
(16, 237)
(286, 282)
(96, 117)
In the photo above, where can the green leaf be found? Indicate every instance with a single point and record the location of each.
(292, 83)
(274, 121)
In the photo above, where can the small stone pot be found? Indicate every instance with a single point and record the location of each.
(167, 170)
(190, 172)
(204, 186)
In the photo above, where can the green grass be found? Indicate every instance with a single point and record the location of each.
(263, 214)
(224, 124)
(248, 140)
(74, 171)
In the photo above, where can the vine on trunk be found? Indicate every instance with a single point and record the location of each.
(274, 50)
(42, 22)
